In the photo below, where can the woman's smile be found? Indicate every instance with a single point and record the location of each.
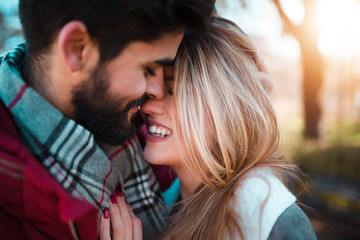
(157, 132)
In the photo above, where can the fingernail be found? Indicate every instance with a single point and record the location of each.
(113, 199)
(106, 213)
(118, 193)
(126, 202)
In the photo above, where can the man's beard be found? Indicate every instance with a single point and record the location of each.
(100, 113)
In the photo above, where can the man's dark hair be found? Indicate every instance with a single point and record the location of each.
(112, 24)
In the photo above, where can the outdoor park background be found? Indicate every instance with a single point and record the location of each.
(312, 50)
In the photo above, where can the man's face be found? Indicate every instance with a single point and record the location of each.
(106, 102)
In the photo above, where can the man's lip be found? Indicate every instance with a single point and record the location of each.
(135, 108)
(132, 112)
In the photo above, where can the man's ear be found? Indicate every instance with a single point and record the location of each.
(72, 42)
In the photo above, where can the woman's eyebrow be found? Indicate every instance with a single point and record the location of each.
(168, 78)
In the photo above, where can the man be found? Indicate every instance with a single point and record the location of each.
(67, 100)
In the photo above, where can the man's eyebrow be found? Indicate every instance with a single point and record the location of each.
(166, 62)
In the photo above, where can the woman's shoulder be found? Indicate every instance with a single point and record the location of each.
(292, 224)
(264, 187)
(259, 201)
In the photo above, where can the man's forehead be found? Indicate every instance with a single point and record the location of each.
(166, 46)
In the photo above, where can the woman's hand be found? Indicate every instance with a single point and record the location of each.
(125, 225)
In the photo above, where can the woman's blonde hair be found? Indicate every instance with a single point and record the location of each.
(225, 126)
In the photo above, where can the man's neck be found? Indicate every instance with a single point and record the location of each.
(33, 78)
(37, 76)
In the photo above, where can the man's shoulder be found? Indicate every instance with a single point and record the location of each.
(27, 188)
(13, 154)
(7, 126)
(15, 56)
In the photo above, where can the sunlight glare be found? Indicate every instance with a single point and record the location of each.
(339, 24)
(294, 10)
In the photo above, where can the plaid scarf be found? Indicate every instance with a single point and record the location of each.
(69, 152)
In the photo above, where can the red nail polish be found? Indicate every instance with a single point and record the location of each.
(118, 193)
(113, 199)
(106, 213)
(126, 202)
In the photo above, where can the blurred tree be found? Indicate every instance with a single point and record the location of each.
(2, 30)
(312, 62)
(8, 31)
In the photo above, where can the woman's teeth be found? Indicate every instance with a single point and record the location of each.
(159, 131)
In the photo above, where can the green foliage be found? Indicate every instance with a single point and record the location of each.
(346, 134)
(337, 161)
(336, 155)
(339, 156)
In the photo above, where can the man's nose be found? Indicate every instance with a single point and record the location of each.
(155, 85)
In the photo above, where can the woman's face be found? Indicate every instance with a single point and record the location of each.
(160, 146)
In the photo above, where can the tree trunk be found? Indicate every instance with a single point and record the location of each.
(312, 63)
(312, 70)
(312, 82)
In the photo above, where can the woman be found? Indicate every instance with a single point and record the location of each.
(216, 127)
